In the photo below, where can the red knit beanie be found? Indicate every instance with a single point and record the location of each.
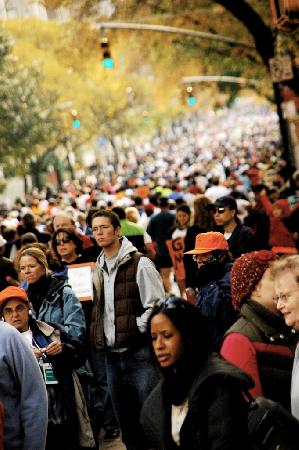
(246, 272)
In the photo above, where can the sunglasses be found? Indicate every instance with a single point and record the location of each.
(219, 210)
(170, 303)
(62, 241)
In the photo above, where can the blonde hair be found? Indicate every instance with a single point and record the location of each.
(285, 264)
(132, 214)
(36, 253)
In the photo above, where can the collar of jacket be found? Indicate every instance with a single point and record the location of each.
(216, 366)
(44, 327)
(271, 325)
(124, 253)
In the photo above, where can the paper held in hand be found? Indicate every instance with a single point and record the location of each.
(80, 279)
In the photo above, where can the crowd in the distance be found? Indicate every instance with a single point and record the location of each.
(194, 264)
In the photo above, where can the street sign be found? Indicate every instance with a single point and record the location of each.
(281, 68)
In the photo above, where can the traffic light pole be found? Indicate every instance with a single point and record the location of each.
(210, 36)
(167, 29)
(219, 79)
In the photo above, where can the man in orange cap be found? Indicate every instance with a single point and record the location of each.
(16, 304)
(58, 354)
(214, 262)
(22, 389)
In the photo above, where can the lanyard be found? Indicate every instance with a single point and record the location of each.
(43, 355)
(46, 367)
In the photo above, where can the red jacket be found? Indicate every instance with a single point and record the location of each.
(279, 234)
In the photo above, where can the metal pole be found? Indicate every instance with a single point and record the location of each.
(167, 29)
(219, 78)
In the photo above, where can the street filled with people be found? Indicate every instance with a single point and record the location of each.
(150, 299)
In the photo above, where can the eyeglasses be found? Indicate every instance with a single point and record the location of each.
(201, 257)
(284, 297)
(62, 241)
(100, 228)
(10, 311)
(195, 257)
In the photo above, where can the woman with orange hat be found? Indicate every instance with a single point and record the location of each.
(214, 263)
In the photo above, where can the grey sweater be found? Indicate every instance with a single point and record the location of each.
(23, 393)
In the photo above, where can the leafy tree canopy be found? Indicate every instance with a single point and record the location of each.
(145, 85)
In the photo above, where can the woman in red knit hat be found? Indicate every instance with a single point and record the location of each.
(259, 342)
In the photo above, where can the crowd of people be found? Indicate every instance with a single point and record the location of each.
(188, 256)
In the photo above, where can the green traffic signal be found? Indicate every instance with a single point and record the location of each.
(191, 100)
(108, 63)
(76, 123)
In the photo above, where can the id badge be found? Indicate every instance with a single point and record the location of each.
(49, 375)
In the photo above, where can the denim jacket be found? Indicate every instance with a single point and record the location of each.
(61, 306)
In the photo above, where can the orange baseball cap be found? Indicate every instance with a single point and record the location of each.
(207, 242)
(13, 292)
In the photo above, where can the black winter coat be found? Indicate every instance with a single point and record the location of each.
(214, 300)
(242, 241)
(217, 414)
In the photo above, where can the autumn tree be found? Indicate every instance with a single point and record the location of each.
(26, 120)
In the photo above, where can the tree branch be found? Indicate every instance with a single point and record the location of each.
(260, 32)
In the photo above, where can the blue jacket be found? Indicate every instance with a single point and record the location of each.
(62, 307)
(214, 301)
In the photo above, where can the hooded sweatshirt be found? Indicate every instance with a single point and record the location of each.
(148, 280)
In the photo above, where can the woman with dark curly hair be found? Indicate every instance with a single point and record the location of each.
(67, 246)
(199, 402)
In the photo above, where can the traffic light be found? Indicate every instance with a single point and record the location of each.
(191, 100)
(107, 59)
(76, 121)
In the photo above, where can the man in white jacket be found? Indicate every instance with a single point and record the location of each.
(126, 287)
